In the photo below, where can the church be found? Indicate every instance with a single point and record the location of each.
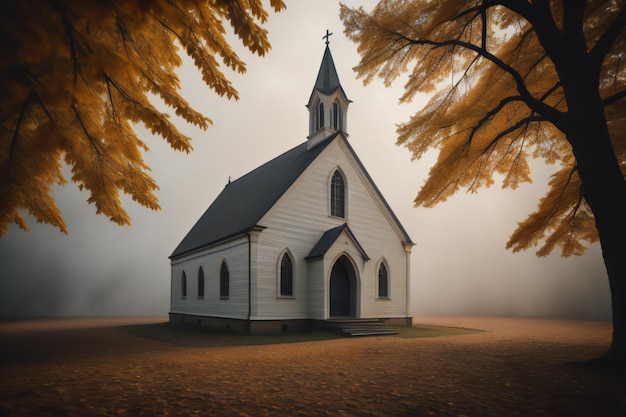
(304, 238)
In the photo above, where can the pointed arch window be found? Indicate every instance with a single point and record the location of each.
(337, 195)
(200, 283)
(320, 115)
(224, 281)
(183, 285)
(336, 116)
(286, 276)
(383, 281)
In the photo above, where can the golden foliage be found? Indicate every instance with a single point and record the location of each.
(496, 99)
(558, 212)
(75, 75)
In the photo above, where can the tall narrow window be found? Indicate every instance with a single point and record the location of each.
(224, 281)
(337, 195)
(316, 117)
(286, 276)
(336, 117)
(320, 116)
(383, 282)
(200, 283)
(183, 285)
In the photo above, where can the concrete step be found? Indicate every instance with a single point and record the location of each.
(357, 325)
(352, 321)
(360, 327)
(365, 333)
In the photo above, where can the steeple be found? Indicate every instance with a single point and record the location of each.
(327, 79)
(328, 104)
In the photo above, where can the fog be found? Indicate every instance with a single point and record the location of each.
(459, 264)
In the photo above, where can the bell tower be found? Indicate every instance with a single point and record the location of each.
(328, 104)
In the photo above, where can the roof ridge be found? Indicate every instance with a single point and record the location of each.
(379, 193)
(244, 201)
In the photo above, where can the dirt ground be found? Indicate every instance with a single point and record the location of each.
(517, 367)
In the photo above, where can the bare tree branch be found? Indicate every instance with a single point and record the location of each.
(537, 106)
(615, 97)
(16, 135)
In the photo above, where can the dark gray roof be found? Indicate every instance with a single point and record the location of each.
(329, 237)
(245, 201)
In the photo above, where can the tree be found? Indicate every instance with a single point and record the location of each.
(512, 79)
(75, 76)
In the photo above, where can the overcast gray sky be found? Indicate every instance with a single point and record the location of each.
(459, 265)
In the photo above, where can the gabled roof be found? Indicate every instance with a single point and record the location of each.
(245, 201)
(327, 79)
(407, 239)
(329, 237)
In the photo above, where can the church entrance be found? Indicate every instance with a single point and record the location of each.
(342, 289)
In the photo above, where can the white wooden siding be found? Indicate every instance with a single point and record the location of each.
(298, 221)
(317, 301)
(235, 253)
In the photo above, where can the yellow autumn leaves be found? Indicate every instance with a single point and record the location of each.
(75, 76)
(483, 65)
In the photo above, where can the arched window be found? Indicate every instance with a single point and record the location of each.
(183, 285)
(320, 116)
(224, 281)
(200, 283)
(337, 195)
(286, 276)
(383, 281)
(336, 116)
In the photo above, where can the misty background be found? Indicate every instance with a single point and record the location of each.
(459, 264)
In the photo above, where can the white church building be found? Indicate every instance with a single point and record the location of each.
(304, 238)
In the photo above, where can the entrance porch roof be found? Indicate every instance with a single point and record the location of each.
(329, 237)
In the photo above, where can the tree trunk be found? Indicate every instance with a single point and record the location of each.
(604, 189)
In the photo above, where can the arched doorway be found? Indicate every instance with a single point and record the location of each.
(342, 289)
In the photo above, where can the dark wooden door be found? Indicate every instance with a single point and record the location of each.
(339, 291)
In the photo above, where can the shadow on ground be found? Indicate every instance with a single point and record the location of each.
(196, 336)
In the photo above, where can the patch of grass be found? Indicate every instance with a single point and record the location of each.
(426, 330)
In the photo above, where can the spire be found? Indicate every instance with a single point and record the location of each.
(327, 79)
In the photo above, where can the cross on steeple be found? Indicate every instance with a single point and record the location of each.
(327, 36)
